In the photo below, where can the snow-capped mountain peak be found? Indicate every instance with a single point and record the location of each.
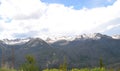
(15, 41)
(94, 36)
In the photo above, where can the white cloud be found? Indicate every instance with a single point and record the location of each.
(109, 0)
(29, 15)
(112, 26)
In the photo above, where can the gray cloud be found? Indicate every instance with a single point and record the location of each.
(35, 15)
(1, 29)
(25, 35)
(45, 30)
(0, 3)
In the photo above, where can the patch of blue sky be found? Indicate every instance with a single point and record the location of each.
(25, 35)
(1, 18)
(8, 20)
(116, 27)
(79, 4)
(113, 31)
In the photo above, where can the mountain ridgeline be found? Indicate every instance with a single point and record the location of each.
(81, 51)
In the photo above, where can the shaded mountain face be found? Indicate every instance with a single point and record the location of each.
(80, 51)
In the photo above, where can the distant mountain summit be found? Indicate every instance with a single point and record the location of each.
(15, 41)
(93, 36)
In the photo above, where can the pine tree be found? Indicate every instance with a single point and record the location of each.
(63, 67)
(101, 63)
(30, 64)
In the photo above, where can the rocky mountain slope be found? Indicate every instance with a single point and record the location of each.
(80, 51)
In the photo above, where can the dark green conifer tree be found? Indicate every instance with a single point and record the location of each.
(30, 64)
(101, 63)
(63, 67)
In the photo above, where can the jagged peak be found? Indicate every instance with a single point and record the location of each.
(94, 36)
(36, 40)
(52, 40)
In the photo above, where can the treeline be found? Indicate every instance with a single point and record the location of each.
(54, 69)
(30, 65)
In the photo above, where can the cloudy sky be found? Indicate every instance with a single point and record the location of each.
(47, 18)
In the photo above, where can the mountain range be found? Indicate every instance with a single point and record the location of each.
(80, 51)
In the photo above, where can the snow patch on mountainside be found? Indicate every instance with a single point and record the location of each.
(52, 40)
